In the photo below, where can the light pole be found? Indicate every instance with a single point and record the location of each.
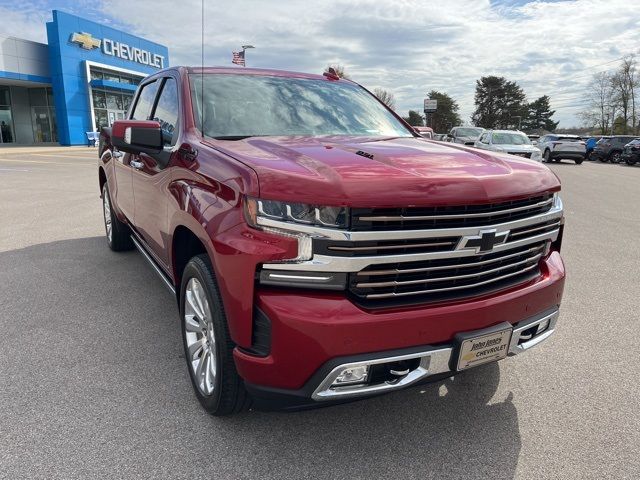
(519, 120)
(244, 48)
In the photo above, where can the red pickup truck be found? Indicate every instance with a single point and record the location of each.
(319, 249)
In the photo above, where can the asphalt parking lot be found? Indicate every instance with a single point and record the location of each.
(93, 383)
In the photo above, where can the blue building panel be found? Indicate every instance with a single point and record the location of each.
(73, 41)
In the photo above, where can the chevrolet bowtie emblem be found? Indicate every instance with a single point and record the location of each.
(85, 40)
(483, 242)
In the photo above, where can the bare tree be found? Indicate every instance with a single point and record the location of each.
(600, 97)
(339, 69)
(628, 70)
(385, 97)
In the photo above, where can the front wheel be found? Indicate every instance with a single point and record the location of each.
(207, 344)
(118, 234)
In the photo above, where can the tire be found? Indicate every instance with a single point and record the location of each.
(547, 156)
(630, 162)
(579, 161)
(117, 233)
(615, 156)
(206, 340)
(603, 159)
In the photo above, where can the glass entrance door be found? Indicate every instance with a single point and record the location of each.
(114, 115)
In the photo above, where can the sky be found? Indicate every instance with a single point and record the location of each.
(408, 47)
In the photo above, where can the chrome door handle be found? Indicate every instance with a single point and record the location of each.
(136, 164)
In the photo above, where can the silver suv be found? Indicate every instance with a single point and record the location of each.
(555, 147)
(509, 141)
(464, 135)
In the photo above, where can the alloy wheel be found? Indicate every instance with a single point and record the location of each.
(106, 207)
(200, 337)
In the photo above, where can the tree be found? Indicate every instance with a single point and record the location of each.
(446, 116)
(339, 69)
(499, 103)
(600, 101)
(385, 97)
(414, 119)
(624, 83)
(539, 115)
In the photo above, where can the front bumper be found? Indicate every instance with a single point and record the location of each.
(309, 329)
(431, 363)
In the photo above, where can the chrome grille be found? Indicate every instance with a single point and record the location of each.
(441, 279)
(448, 216)
(432, 254)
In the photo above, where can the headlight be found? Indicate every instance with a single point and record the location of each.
(294, 214)
(302, 213)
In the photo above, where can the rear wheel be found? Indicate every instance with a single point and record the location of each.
(614, 157)
(579, 161)
(547, 156)
(207, 344)
(118, 234)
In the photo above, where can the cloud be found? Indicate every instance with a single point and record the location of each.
(408, 47)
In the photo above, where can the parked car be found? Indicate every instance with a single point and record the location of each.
(556, 147)
(534, 139)
(631, 152)
(441, 137)
(512, 142)
(426, 132)
(464, 135)
(315, 258)
(609, 149)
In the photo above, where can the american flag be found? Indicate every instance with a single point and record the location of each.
(238, 58)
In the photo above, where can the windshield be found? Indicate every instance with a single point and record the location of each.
(253, 105)
(468, 132)
(510, 139)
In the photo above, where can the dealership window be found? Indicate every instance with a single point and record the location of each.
(43, 115)
(6, 120)
(109, 105)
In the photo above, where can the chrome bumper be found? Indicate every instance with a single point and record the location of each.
(525, 335)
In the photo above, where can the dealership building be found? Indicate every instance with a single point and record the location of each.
(83, 79)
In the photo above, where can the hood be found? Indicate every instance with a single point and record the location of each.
(367, 172)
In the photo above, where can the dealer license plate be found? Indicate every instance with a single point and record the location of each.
(485, 348)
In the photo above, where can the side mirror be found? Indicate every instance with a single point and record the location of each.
(137, 136)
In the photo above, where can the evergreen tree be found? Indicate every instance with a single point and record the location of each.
(499, 103)
(539, 116)
(446, 116)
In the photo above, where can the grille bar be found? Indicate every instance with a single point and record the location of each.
(398, 218)
(397, 271)
(449, 289)
(392, 247)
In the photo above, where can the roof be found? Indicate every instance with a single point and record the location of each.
(257, 71)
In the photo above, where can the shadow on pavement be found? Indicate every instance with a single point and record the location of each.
(93, 383)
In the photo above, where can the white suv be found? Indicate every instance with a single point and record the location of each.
(555, 147)
(509, 141)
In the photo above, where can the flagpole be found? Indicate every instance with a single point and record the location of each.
(244, 52)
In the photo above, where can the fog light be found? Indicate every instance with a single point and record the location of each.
(542, 326)
(352, 375)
